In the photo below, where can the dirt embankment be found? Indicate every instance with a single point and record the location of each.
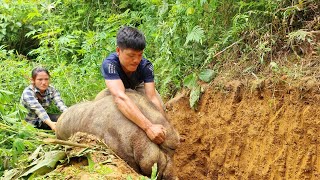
(256, 131)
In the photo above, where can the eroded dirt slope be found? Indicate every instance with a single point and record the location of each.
(256, 131)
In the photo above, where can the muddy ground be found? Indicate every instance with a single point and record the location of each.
(96, 161)
(260, 130)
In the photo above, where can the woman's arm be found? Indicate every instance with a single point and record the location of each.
(58, 100)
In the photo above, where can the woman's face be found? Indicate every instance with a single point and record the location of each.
(41, 81)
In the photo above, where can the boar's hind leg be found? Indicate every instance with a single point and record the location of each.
(149, 155)
(168, 169)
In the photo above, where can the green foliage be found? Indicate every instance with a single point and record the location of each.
(15, 23)
(17, 139)
(196, 35)
(45, 165)
(191, 81)
(154, 172)
(195, 96)
(299, 36)
(77, 83)
(153, 176)
(90, 163)
(181, 35)
(10, 111)
(207, 75)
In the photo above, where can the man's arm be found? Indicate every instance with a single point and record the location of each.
(155, 132)
(153, 96)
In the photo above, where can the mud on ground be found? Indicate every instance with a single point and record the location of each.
(260, 130)
(95, 162)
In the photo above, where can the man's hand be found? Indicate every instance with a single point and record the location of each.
(156, 132)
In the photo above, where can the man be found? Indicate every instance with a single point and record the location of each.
(128, 69)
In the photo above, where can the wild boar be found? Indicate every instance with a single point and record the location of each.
(103, 119)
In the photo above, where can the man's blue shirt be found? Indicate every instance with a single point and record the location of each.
(111, 70)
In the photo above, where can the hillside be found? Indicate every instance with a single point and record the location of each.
(253, 126)
(242, 133)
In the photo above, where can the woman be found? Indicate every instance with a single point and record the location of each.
(38, 96)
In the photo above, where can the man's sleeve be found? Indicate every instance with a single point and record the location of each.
(109, 70)
(148, 75)
(34, 105)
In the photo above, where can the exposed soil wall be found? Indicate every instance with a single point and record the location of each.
(256, 131)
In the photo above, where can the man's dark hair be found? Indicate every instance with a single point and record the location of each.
(37, 70)
(129, 37)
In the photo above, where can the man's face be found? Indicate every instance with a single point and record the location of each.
(41, 81)
(129, 59)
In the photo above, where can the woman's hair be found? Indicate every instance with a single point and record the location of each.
(37, 70)
(129, 37)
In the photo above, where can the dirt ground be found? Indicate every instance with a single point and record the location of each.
(250, 131)
(95, 162)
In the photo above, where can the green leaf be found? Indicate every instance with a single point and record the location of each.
(190, 81)
(6, 92)
(9, 119)
(154, 172)
(10, 174)
(274, 65)
(47, 164)
(33, 32)
(299, 35)
(123, 4)
(129, 177)
(207, 75)
(90, 163)
(18, 145)
(202, 2)
(190, 11)
(194, 97)
(163, 9)
(35, 154)
(196, 35)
